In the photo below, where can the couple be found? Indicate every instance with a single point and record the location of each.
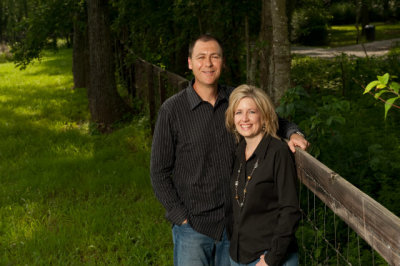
(221, 216)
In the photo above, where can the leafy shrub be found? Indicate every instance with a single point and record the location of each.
(346, 129)
(378, 13)
(310, 26)
(343, 13)
(5, 54)
(383, 86)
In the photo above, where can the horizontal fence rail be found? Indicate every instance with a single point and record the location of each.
(370, 220)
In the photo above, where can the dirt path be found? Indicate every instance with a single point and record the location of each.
(377, 48)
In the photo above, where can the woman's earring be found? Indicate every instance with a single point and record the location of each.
(264, 127)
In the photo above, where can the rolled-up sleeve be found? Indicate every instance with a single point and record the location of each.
(286, 128)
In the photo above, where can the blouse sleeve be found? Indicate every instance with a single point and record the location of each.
(284, 233)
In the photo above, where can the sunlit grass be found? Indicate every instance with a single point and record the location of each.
(69, 197)
(347, 34)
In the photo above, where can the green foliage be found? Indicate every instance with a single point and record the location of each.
(383, 86)
(182, 21)
(69, 197)
(347, 133)
(310, 26)
(12, 13)
(5, 56)
(48, 21)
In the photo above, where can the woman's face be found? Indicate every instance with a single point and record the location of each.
(248, 119)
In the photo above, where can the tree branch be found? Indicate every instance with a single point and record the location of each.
(383, 100)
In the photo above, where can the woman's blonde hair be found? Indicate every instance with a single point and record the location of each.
(269, 118)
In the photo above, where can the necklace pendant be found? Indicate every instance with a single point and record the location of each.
(248, 177)
(241, 204)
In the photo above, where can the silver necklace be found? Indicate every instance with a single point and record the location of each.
(245, 186)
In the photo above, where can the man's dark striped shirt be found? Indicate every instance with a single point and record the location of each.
(191, 160)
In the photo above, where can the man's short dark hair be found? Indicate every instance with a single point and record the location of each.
(204, 38)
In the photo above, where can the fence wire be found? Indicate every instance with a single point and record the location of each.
(324, 239)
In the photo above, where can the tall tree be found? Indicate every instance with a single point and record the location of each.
(365, 5)
(280, 53)
(2, 21)
(266, 45)
(105, 104)
(275, 50)
(80, 62)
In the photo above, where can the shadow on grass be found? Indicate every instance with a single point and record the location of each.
(53, 63)
(68, 196)
(45, 143)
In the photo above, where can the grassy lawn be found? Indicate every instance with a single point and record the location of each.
(68, 196)
(347, 34)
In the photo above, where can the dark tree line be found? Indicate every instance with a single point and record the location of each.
(107, 37)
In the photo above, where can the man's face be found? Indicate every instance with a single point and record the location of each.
(206, 62)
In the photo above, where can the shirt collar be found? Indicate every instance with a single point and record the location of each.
(194, 99)
(262, 147)
(259, 152)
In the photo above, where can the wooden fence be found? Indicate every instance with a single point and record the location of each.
(370, 220)
(154, 85)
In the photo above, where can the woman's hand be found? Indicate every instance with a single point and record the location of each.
(262, 261)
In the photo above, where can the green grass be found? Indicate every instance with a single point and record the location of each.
(347, 34)
(69, 197)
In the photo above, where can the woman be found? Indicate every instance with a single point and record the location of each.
(263, 184)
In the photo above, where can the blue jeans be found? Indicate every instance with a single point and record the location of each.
(194, 249)
(291, 260)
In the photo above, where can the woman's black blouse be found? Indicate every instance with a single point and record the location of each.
(270, 214)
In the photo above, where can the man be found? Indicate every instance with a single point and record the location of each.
(191, 159)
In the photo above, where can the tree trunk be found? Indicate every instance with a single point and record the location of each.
(290, 7)
(364, 15)
(123, 60)
(275, 52)
(386, 10)
(266, 47)
(358, 15)
(1, 22)
(80, 62)
(105, 104)
(280, 51)
(25, 6)
(253, 64)
(247, 35)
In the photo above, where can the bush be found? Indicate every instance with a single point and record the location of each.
(310, 26)
(378, 13)
(5, 54)
(343, 13)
